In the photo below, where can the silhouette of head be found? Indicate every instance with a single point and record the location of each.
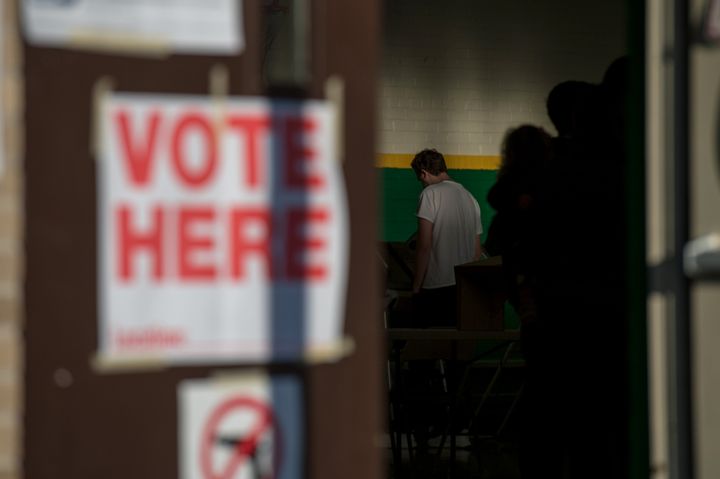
(565, 104)
(525, 150)
(614, 81)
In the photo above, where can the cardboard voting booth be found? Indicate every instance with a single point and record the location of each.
(481, 295)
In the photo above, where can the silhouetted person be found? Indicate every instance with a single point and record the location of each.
(515, 233)
(580, 293)
(514, 197)
(565, 105)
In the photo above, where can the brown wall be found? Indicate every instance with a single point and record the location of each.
(125, 425)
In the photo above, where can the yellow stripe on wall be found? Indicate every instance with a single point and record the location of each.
(453, 162)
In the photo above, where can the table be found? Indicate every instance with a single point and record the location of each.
(450, 334)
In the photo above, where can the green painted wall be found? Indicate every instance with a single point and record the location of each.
(400, 190)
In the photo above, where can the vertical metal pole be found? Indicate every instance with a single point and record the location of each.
(636, 221)
(682, 410)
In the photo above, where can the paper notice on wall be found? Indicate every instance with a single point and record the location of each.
(222, 230)
(242, 427)
(184, 26)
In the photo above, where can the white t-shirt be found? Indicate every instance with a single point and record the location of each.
(455, 215)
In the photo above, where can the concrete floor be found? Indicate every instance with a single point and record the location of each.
(487, 459)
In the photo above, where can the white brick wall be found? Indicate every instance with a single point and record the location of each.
(456, 74)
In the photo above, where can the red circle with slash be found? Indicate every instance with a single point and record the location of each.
(244, 449)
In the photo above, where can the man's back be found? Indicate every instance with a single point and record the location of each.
(455, 215)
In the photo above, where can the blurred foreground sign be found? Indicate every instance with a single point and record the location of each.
(242, 428)
(222, 230)
(188, 26)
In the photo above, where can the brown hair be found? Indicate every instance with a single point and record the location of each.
(429, 160)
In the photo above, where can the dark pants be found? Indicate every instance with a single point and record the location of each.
(435, 307)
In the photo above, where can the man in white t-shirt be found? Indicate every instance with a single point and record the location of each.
(449, 230)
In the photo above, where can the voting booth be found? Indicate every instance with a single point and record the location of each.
(481, 295)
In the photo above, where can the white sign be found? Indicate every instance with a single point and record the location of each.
(246, 428)
(189, 26)
(222, 229)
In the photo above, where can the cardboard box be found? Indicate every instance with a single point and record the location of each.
(481, 295)
(399, 265)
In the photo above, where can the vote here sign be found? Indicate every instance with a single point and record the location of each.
(222, 229)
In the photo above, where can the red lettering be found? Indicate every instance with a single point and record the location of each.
(131, 241)
(298, 244)
(189, 243)
(154, 337)
(197, 122)
(298, 156)
(252, 127)
(183, 241)
(137, 155)
(242, 245)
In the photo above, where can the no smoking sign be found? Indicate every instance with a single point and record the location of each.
(247, 427)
